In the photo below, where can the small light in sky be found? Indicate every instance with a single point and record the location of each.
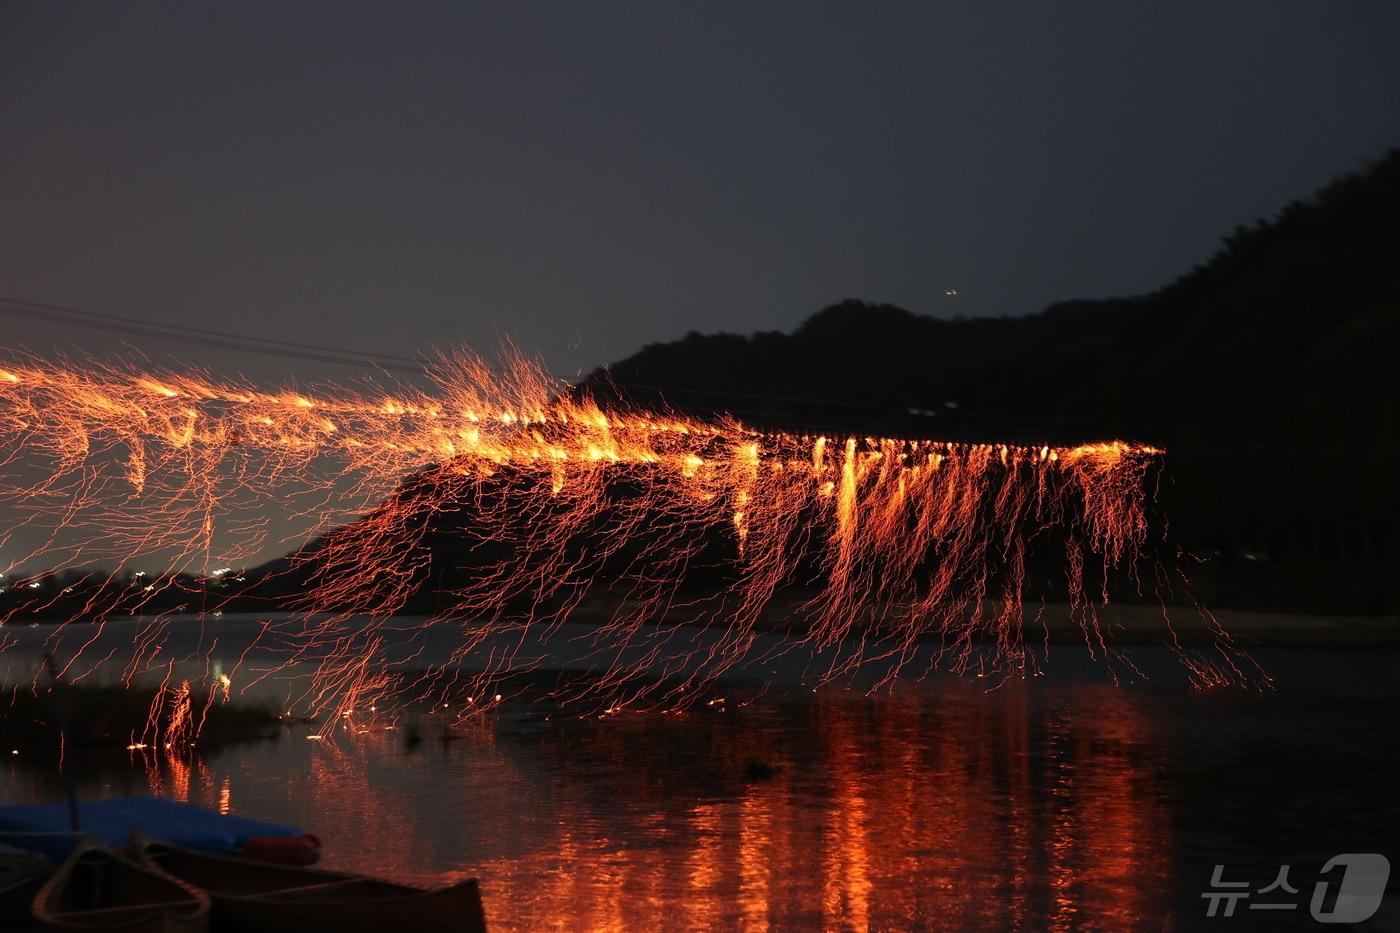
(951, 293)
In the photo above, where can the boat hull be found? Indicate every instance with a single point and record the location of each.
(248, 895)
(97, 889)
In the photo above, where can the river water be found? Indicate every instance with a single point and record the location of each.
(1059, 802)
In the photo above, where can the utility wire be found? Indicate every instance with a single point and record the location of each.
(812, 421)
(248, 343)
(143, 327)
(181, 333)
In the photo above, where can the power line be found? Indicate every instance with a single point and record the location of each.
(199, 336)
(812, 421)
(248, 343)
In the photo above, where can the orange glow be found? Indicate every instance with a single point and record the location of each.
(893, 538)
(900, 814)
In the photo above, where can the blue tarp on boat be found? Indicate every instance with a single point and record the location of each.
(45, 827)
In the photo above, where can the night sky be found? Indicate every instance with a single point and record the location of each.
(591, 177)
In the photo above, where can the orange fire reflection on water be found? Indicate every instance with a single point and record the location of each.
(979, 812)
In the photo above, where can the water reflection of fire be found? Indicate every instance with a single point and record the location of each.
(971, 811)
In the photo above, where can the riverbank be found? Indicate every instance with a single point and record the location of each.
(116, 716)
(1122, 624)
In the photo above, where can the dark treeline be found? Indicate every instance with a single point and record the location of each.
(1266, 373)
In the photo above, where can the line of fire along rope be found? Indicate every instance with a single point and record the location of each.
(59, 314)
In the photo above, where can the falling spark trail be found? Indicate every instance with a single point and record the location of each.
(558, 501)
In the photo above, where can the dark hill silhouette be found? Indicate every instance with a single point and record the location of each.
(1267, 373)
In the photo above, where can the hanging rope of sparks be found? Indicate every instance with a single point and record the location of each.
(556, 502)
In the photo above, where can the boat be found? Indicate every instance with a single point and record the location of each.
(101, 889)
(45, 828)
(271, 898)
